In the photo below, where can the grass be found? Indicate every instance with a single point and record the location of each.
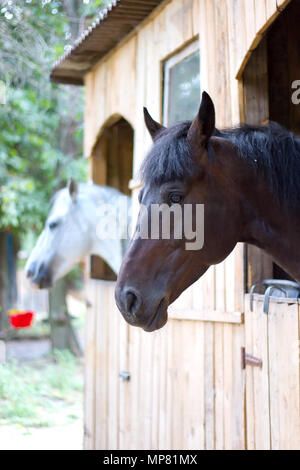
(35, 394)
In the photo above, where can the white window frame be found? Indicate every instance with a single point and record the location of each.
(168, 65)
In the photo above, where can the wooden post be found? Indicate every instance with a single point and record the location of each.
(63, 335)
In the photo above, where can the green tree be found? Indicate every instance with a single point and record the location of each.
(41, 122)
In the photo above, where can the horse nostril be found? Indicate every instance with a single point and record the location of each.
(132, 302)
(30, 270)
(129, 302)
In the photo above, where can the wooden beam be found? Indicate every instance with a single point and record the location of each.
(205, 315)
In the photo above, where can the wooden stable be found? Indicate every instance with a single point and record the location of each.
(218, 376)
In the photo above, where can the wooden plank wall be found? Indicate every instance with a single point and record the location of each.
(169, 402)
(229, 32)
(187, 385)
(273, 391)
(110, 92)
(184, 390)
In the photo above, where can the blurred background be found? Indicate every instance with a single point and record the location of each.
(40, 150)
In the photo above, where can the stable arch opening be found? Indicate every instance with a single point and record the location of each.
(112, 165)
(266, 95)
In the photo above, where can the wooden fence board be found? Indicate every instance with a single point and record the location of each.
(100, 310)
(170, 389)
(283, 325)
(135, 339)
(256, 329)
(260, 15)
(162, 411)
(219, 384)
(124, 390)
(272, 392)
(238, 390)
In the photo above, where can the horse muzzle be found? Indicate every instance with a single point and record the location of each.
(131, 305)
(40, 276)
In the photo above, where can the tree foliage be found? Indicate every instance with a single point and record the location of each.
(41, 122)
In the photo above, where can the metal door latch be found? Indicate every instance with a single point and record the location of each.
(249, 360)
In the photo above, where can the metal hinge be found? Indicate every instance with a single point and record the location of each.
(249, 360)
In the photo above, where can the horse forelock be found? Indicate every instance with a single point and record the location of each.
(170, 157)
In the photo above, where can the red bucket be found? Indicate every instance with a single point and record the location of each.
(20, 319)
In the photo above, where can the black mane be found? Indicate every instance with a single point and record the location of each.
(271, 150)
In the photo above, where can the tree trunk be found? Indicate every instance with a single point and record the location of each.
(3, 282)
(8, 280)
(63, 335)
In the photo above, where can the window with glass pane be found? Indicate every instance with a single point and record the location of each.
(182, 85)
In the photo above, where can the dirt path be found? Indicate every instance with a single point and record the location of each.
(67, 437)
(27, 350)
(65, 428)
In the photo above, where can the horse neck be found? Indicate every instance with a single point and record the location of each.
(111, 253)
(271, 227)
(265, 222)
(112, 250)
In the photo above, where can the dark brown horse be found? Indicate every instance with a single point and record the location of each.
(248, 179)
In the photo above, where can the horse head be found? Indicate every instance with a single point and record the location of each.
(63, 242)
(187, 179)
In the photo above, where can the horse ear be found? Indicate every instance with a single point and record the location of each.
(73, 189)
(203, 125)
(152, 126)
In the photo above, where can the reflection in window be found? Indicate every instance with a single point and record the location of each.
(182, 85)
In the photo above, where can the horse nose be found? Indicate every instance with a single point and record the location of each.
(129, 301)
(132, 302)
(30, 270)
(42, 277)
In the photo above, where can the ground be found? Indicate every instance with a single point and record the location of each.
(63, 437)
(41, 397)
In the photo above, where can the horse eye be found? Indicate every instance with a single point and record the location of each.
(175, 198)
(53, 225)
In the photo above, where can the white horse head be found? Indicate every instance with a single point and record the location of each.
(70, 233)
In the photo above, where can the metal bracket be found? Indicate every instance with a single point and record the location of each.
(267, 297)
(125, 376)
(249, 360)
(251, 296)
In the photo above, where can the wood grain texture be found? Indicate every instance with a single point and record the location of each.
(272, 392)
(257, 381)
(283, 329)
